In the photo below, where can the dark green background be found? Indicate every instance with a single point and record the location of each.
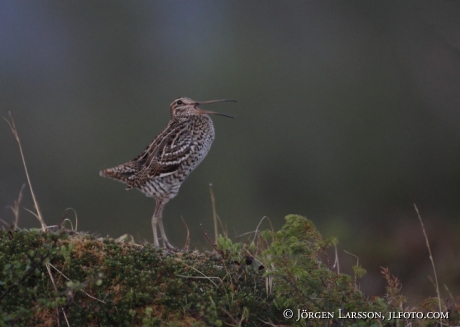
(348, 113)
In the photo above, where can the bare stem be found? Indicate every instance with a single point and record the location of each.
(16, 136)
(431, 256)
(15, 208)
(214, 214)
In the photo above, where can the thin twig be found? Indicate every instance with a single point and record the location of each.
(199, 277)
(214, 245)
(16, 206)
(257, 228)
(231, 316)
(70, 222)
(94, 298)
(16, 136)
(76, 219)
(336, 261)
(55, 288)
(214, 214)
(222, 227)
(450, 294)
(255, 232)
(204, 276)
(5, 223)
(431, 257)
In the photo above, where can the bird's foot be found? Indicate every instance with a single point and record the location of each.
(169, 246)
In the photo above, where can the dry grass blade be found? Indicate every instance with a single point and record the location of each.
(55, 288)
(214, 214)
(16, 136)
(257, 228)
(431, 258)
(76, 219)
(336, 261)
(203, 276)
(90, 296)
(4, 223)
(255, 232)
(15, 207)
(450, 294)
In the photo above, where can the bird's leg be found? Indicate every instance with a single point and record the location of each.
(157, 220)
(155, 234)
(166, 244)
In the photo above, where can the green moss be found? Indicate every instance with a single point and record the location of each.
(88, 281)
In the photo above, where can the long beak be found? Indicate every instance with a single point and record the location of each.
(213, 112)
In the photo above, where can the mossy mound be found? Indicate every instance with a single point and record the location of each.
(72, 279)
(102, 282)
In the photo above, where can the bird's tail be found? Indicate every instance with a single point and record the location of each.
(122, 173)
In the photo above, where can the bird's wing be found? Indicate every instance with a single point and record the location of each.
(167, 151)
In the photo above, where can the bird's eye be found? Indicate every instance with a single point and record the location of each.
(179, 102)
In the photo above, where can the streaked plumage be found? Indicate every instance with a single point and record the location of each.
(162, 167)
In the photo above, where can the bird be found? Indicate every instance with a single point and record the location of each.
(168, 160)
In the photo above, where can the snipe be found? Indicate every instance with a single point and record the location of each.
(162, 167)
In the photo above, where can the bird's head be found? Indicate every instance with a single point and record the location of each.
(187, 107)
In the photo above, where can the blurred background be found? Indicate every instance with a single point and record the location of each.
(348, 113)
